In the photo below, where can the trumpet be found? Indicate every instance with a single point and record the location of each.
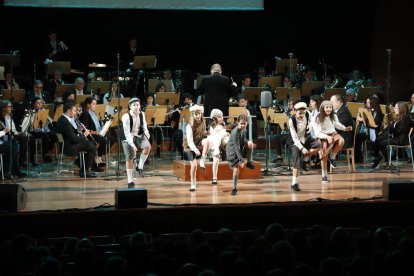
(90, 136)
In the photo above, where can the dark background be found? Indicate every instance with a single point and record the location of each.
(345, 34)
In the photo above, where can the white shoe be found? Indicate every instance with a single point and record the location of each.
(192, 187)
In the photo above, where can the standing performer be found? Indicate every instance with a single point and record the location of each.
(135, 134)
(331, 142)
(236, 149)
(301, 141)
(217, 137)
(195, 131)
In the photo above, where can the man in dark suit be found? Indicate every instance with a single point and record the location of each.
(38, 92)
(217, 90)
(74, 140)
(345, 118)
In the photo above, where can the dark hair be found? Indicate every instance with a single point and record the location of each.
(35, 99)
(188, 95)
(242, 117)
(68, 105)
(318, 99)
(159, 85)
(85, 103)
(66, 95)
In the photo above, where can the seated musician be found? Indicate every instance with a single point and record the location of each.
(7, 144)
(44, 131)
(20, 137)
(367, 132)
(112, 93)
(91, 122)
(399, 129)
(76, 141)
(39, 92)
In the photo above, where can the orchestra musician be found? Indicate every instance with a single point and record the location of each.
(90, 120)
(135, 135)
(112, 93)
(398, 128)
(39, 92)
(8, 146)
(55, 82)
(368, 132)
(75, 140)
(44, 132)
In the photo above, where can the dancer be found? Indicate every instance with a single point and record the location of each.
(217, 137)
(236, 149)
(331, 142)
(135, 134)
(301, 142)
(195, 131)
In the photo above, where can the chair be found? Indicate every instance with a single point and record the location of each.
(397, 147)
(60, 161)
(350, 155)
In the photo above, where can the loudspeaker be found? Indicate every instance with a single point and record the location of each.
(265, 99)
(13, 197)
(401, 189)
(131, 198)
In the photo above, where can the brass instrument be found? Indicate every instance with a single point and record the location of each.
(336, 81)
(233, 102)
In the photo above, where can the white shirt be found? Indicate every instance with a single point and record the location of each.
(129, 134)
(327, 127)
(298, 136)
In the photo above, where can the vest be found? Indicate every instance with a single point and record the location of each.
(198, 135)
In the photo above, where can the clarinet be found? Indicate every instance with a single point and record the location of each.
(79, 123)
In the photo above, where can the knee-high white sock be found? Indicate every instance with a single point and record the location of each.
(130, 174)
(324, 173)
(294, 180)
(142, 159)
(216, 162)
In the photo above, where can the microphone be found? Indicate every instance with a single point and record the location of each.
(290, 55)
(389, 51)
(278, 58)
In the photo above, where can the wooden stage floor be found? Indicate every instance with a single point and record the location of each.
(47, 191)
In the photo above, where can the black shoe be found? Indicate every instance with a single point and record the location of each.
(88, 175)
(376, 163)
(325, 179)
(102, 165)
(131, 185)
(77, 162)
(250, 165)
(295, 187)
(47, 158)
(214, 182)
(234, 192)
(95, 168)
(332, 161)
(141, 173)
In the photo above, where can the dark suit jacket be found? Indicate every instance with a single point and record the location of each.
(217, 90)
(70, 136)
(45, 95)
(86, 119)
(400, 131)
(345, 118)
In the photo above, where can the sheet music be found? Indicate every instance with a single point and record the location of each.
(105, 128)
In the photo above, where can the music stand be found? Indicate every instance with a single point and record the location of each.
(141, 62)
(308, 86)
(58, 113)
(185, 115)
(18, 95)
(152, 85)
(354, 108)
(41, 118)
(50, 107)
(167, 98)
(156, 115)
(285, 93)
(81, 98)
(235, 111)
(100, 86)
(123, 102)
(274, 81)
(63, 66)
(9, 60)
(329, 92)
(252, 94)
(62, 88)
(367, 117)
(365, 92)
(282, 66)
(115, 116)
(100, 111)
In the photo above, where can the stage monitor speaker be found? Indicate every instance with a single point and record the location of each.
(400, 189)
(13, 197)
(265, 99)
(131, 198)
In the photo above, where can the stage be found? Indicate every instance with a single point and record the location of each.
(61, 205)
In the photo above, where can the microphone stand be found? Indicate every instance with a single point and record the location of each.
(119, 124)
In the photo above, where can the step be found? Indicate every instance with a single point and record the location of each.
(181, 170)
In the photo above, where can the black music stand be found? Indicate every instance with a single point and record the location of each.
(63, 66)
(100, 87)
(329, 92)
(308, 86)
(167, 98)
(252, 94)
(274, 81)
(141, 63)
(365, 92)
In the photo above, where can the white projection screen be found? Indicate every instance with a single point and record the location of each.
(225, 5)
